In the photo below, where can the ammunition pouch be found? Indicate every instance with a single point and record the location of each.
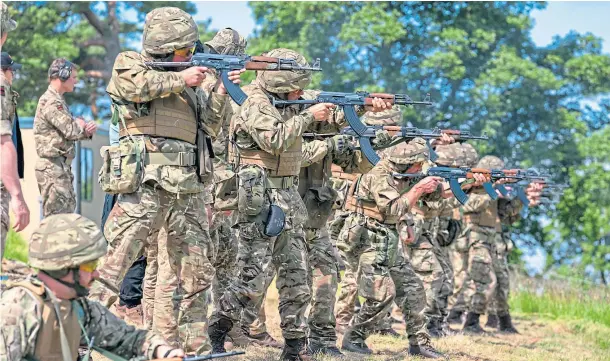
(251, 190)
(319, 203)
(121, 171)
(276, 221)
(205, 156)
(454, 228)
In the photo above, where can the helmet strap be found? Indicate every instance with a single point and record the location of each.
(76, 286)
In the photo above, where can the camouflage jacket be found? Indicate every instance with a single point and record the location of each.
(9, 102)
(55, 129)
(133, 84)
(21, 323)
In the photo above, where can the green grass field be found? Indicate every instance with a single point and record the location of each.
(16, 247)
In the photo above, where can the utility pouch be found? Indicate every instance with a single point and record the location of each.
(319, 203)
(251, 190)
(205, 154)
(225, 190)
(122, 168)
(454, 228)
(276, 221)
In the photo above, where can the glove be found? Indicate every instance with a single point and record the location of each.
(382, 138)
(339, 144)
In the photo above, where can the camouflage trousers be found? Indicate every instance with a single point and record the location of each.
(499, 300)
(481, 279)
(5, 220)
(226, 260)
(384, 276)
(56, 185)
(458, 253)
(253, 317)
(133, 228)
(258, 252)
(447, 264)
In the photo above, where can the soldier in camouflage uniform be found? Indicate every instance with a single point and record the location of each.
(65, 249)
(6, 23)
(55, 132)
(266, 151)
(10, 187)
(374, 234)
(160, 116)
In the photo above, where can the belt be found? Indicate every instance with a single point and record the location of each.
(281, 182)
(181, 159)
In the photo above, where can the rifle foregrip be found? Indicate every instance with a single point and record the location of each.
(382, 95)
(480, 170)
(266, 59)
(451, 132)
(258, 65)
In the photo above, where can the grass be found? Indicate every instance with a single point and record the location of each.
(16, 247)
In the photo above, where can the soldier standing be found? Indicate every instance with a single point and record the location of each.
(55, 133)
(65, 249)
(10, 187)
(266, 149)
(373, 236)
(6, 23)
(161, 118)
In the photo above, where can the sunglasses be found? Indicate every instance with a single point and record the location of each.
(185, 51)
(89, 266)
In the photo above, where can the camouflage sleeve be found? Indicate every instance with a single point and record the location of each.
(214, 108)
(387, 197)
(353, 161)
(313, 152)
(114, 335)
(265, 125)
(134, 81)
(6, 122)
(55, 113)
(477, 203)
(19, 324)
(509, 210)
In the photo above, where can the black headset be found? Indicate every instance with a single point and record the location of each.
(65, 71)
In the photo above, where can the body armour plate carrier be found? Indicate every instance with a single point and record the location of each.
(285, 164)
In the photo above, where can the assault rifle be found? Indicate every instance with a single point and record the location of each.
(402, 133)
(348, 102)
(203, 357)
(226, 63)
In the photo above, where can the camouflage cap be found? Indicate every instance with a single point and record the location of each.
(490, 162)
(285, 81)
(6, 23)
(415, 151)
(391, 116)
(65, 241)
(228, 42)
(167, 29)
(456, 155)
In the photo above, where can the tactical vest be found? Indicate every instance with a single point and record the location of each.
(366, 207)
(48, 339)
(174, 117)
(486, 218)
(285, 164)
(337, 172)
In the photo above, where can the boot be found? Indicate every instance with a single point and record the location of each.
(472, 323)
(455, 317)
(446, 330)
(389, 332)
(135, 316)
(238, 337)
(426, 350)
(265, 339)
(316, 347)
(506, 324)
(295, 349)
(434, 328)
(218, 333)
(358, 347)
(492, 321)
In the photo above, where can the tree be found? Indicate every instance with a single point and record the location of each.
(479, 63)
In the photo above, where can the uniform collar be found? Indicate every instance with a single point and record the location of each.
(55, 92)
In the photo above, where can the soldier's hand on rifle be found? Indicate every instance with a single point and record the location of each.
(504, 181)
(429, 184)
(193, 76)
(382, 138)
(444, 140)
(479, 179)
(379, 105)
(234, 77)
(321, 111)
(338, 143)
(168, 352)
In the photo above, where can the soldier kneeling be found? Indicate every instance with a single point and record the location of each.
(47, 317)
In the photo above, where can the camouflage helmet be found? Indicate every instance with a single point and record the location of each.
(167, 29)
(490, 162)
(456, 155)
(391, 116)
(6, 23)
(415, 151)
(285, 81)
(64, 241)
(228, 42)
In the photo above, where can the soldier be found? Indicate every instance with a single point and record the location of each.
(6, 23)
(161, 120)
(55, 131)
(265, 149)
(48, 317)
(9, 178)
(373, 236)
